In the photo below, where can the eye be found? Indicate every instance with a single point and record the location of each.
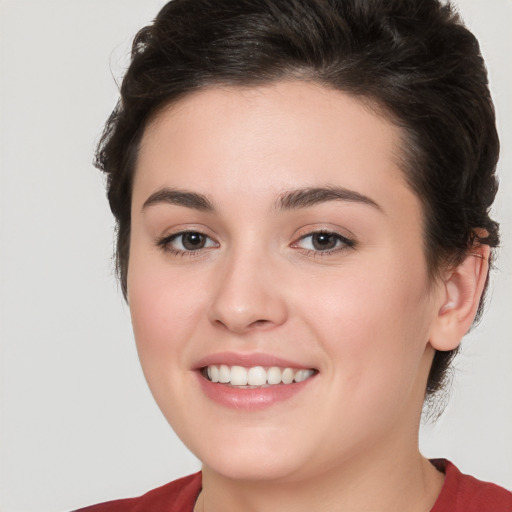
(186, 242)
(324, 241)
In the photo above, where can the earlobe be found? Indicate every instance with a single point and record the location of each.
(461, 291)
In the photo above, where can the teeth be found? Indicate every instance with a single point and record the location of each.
(224, 374)
(213, 373)
(274, 375)
(256, 375)
(288, 375)
(238, 376)
(301, 375)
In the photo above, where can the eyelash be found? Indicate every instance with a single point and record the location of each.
(165, 244)
(342, 244)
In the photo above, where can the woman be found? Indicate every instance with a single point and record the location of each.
(302, 193)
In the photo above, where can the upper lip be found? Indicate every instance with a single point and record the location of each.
(248, 360)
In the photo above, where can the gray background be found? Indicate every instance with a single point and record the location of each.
(78, 424)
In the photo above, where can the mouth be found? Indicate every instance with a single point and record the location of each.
(252, 381)
(256, 377)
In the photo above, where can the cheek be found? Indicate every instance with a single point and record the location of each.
(165, 309)
(373, 322)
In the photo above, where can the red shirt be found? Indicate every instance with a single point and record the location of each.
(464, 493)
(177, 496)
(460, 493)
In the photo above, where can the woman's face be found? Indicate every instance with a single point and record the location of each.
(273, 230)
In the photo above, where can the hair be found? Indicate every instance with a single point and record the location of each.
(413, 60)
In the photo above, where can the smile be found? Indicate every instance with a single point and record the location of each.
(252, 381)
(255, 376)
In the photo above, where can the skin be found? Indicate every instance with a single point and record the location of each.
(364, 315)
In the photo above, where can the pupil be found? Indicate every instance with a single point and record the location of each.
(324, 241)
(193, 241)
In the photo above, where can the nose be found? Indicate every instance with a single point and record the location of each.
(249, 295)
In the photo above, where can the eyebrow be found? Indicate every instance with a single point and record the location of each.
(179, 198)
(293, 199)
(304, 198)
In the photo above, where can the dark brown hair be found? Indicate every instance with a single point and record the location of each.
(414, 60)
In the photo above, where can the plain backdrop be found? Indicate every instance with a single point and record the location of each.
(78, 424)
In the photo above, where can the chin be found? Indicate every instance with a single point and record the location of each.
(256, 456)
(254, 467)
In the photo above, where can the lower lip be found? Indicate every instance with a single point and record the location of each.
(250, 399)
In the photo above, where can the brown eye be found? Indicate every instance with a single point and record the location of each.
(192, 241)
(186, 242)
(324, 241)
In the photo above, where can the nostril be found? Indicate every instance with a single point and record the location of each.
(260, 323)
(243, 327)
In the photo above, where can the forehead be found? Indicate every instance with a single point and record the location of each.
(259, 141)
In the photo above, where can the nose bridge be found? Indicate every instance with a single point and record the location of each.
(247, 294)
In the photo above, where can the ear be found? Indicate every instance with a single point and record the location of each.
(461, 290)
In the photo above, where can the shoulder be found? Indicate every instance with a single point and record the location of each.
(177, 496)
(464, 493)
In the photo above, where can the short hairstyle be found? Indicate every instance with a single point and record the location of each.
(414, 61)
